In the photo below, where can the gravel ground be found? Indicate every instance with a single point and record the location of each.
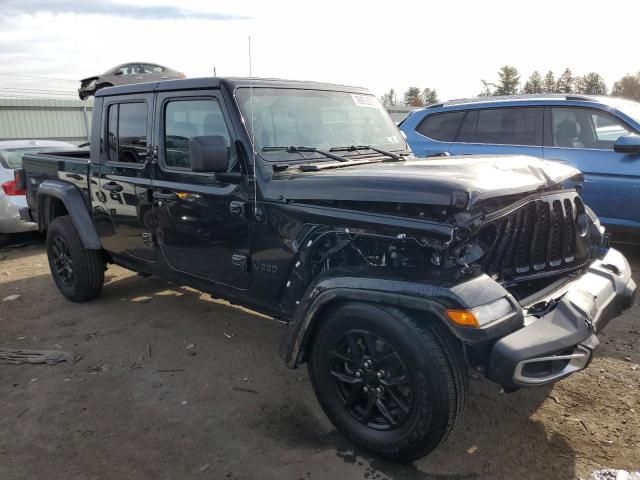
(173, 385)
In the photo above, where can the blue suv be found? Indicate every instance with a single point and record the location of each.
(597, 135)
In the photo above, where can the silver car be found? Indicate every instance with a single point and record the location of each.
(11, 199)
(125, 74)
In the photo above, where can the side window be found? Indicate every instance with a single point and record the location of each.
(441, 126)
(467, 132)
(185, 119)
(130, 69)
(149, 68)
(585, 128)
(127, 132)
(510, 126)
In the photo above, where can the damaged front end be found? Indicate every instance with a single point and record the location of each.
(532, 243)
(502, 275)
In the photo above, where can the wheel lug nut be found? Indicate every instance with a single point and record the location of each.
(365, 389)
(358, 374)
(380, 374)
(379, 390)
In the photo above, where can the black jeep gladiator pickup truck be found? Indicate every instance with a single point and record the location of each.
(303, 201)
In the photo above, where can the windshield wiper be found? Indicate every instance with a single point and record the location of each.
(294, 149)
(394, 156)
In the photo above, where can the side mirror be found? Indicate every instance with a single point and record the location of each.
(628, 144)
(209, 154)
(118, 73)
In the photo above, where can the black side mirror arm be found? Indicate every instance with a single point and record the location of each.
(235, 178)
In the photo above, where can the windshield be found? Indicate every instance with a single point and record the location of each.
(317, 119)
(13, 157)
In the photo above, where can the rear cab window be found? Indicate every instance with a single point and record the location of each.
(127, 133)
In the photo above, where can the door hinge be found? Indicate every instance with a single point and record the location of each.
(240, 261)
(147, 239)
(238, 209)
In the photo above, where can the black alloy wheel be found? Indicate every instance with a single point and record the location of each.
(372, 379)
(62, 261)
(391, 385)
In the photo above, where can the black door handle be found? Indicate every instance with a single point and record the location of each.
(165, 195)
(112, 187)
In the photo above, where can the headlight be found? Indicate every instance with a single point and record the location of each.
(483, 315)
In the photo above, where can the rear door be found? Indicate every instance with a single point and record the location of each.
(583, 137)
(500, 131)
(200, 227)
(124, 190)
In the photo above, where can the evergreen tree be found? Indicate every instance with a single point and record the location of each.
(549, 85)
(566, 82)
(534, 83)
(628, 87)
(429, 96)
(509, 81)
(413, 98)
(591, 84)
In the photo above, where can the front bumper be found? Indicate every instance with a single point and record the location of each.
(87, 89)
(562, 341)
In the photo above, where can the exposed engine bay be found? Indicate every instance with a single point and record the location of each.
(525, 247)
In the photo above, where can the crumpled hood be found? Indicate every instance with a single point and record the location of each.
(422, 180)
(89, 79)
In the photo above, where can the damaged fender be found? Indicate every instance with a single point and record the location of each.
(431, 301)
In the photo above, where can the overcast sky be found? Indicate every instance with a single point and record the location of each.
(448, 45)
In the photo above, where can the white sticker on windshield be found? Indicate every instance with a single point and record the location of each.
(365, 100)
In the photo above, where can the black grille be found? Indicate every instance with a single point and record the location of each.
(539, 236)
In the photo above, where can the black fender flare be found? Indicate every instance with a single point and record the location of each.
(76, 204)
(430, 299)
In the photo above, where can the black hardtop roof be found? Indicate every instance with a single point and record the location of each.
(230, 82)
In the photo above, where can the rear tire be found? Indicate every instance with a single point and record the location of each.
(77, 272)
(416, 379)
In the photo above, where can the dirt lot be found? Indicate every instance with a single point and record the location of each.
(174, 385)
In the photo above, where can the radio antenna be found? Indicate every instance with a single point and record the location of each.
(253, 138)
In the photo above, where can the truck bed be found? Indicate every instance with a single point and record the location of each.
(73, 167)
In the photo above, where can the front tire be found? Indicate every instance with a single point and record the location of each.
(392, 386)
(77, 272)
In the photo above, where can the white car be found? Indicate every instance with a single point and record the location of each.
(11, 199)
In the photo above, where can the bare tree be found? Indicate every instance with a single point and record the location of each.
(429, 96)
(388, 99)
(628, 87)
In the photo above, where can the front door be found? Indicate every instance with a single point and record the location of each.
(584, 138)
(124, 186)
(200, 227)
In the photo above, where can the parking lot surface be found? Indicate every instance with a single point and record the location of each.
(168, 383)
